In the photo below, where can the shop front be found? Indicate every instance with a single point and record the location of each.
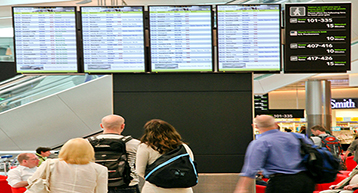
(345, 119)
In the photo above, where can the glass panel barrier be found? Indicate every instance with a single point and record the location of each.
(23, 89)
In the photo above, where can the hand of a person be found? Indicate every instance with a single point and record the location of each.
(333, 187)
(345, 156)
(349, 187)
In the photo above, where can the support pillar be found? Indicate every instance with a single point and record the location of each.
(318, 104)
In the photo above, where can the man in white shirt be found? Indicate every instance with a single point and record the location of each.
(18, 176)
(113, 126)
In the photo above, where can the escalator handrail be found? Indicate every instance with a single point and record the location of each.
(20, 85)
(84, 137)
(43, 88)
(11, 79)
(13, 82)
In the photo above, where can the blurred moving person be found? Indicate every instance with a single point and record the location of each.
(278, 155)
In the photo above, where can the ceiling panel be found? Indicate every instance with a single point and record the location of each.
(5, 9)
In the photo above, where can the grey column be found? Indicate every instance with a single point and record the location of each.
(318, 104)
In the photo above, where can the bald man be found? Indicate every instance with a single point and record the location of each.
(113, 126)
(18, 176)
(278, 155)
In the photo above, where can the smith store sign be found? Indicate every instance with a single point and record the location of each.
(344, 103)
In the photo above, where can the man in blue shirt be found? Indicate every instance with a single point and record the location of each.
(277, 154)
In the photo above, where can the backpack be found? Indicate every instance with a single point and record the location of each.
(321, 165)
(174, 169)
(332, 144)
(112, 154)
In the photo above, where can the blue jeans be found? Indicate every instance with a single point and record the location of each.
(130, 189)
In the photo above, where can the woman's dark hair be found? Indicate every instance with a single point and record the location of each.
(161, 136)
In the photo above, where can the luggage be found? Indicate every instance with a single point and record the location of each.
(332, 144)
(174, 169)
(112, 154)
(321, 165)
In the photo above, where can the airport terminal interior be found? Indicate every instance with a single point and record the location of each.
(209, 104)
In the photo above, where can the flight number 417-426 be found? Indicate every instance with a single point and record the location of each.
(319, 58)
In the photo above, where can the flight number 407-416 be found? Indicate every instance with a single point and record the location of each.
(319, 46)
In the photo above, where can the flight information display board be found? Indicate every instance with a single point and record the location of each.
(249, 37)
(318, 37)
(181, 38)
(45, 39)
(113, 39)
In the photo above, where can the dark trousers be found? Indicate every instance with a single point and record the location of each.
(130, 189)
(290, 183)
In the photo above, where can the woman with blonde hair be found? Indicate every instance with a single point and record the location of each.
(74, 171)
(159, 138)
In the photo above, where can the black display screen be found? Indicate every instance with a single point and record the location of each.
(318, 37)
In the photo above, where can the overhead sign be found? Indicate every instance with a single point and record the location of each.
(261, 102)
(283, 113)
(318, 37)
(350, 103)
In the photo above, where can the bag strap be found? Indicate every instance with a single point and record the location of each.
(127, 138)
(49, 166)
(93, 140)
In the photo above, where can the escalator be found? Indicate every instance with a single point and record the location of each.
(39, 110)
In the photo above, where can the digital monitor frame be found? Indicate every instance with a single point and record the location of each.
(113, 39)
(181, 38)
(45, 39)
(249, 37)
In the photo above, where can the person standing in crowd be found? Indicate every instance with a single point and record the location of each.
(42, 153)
(74, 171)
(18, 176)
(113, 126)
(159, 137)
(278, 155)
(319, 132)
(303, 130)
(322, 139)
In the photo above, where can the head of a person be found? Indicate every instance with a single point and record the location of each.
(77, 151)
(303, 128)
(161, 136)
(265, 123)
(29, 160)
(113, 124)
(43, 151)
(318, 129)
